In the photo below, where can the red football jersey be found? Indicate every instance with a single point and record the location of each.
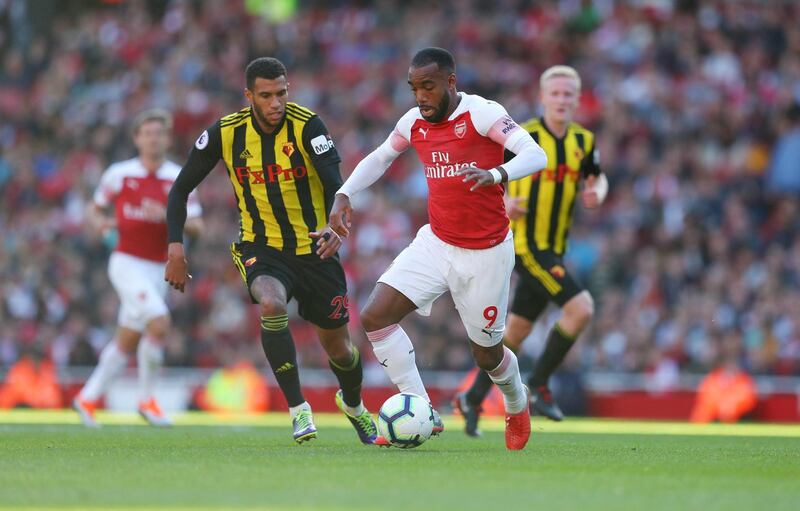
(474, 135)
(140, 203)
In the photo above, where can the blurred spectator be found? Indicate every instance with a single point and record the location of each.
(239, 388)
(727, 394)
(31, 383)
(784, 169)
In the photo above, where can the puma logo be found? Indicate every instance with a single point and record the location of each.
(424, 133)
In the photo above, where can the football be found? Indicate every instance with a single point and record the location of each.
(406, 420)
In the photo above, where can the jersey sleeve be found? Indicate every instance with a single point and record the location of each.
(400, 137)
(205, 154)
(318, 143)
(109, 187)
(207, 149)
(319, 146)
(590, 166)
(491, 120)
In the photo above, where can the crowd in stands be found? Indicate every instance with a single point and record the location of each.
(694, 103)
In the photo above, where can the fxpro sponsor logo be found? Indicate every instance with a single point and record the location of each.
(270, 174)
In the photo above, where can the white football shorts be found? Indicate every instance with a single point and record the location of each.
(141, 288)
(478, 281)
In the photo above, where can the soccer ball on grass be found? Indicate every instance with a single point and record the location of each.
(406, 420)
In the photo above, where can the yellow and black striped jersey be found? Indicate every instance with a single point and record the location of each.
(284, 181)
(549, 195)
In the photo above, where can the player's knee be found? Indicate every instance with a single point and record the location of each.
(487, 358)
(341, 355)
(337, 345)
(158, 327)
(271, 307)
(582, 309)
(372, 320)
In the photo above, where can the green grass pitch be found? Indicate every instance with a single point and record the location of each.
(48, 461)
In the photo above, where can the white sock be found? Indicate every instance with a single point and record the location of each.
(394, 351)
(302, 406)
(150, 357)
(355, 410)
(112, 362)
(506, 377)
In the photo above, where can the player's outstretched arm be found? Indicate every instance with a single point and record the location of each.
(204, 156)
(341, 214)
(177, 270)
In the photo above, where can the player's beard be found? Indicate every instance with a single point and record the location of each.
(262, 119)
(441, 110)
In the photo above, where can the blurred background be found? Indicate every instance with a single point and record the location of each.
(693, 261)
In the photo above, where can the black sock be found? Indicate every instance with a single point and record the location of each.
(350, 378)
(480, 388)
(558, 344)
(279, 349)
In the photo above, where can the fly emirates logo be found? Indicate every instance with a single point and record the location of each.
(148, 211)
(440, 166)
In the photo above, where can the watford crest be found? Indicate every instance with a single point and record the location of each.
(288, 149)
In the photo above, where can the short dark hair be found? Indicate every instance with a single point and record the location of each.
(263, 67)
(439, 56)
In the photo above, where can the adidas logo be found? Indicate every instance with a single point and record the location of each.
(245, 154)
(285, 367)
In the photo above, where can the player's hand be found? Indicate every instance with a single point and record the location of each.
(515, 207)
(589, 196)
(177, 273)
(481, 177)
(328, 242)
(340, 217)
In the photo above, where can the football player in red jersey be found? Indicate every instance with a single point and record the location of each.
(467, 248)
(137, 190)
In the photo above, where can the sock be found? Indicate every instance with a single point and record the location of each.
(481, 386)
(302, 406)
(350, 377)
(150, 357)
(395, 353)
(558, 344)
(112, 362)
(279, 348)
(508, 380)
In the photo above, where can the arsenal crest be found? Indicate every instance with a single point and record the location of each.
(460, 129)
(288, 149)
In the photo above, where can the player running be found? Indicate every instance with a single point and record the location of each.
(137, 190)
(541, 208)
(467, 248)
(284, 169)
